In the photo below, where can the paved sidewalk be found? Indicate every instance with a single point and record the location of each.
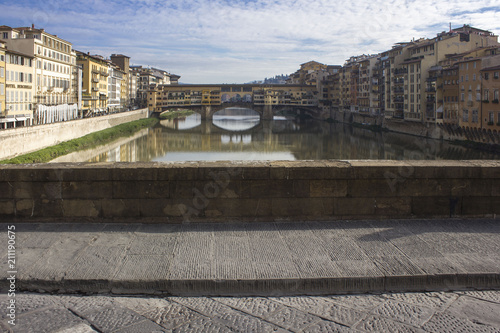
(469, 311)
(269, 259)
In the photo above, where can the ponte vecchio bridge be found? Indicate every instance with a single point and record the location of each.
(210, 98)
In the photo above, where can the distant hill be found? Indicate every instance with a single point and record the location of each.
(278, 79)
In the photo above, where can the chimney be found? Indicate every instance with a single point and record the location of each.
(32, 25)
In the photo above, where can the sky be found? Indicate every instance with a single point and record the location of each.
(238, 41)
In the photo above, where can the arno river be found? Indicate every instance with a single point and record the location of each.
(245, 137)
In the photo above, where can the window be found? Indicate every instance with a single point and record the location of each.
(466, 77)
(2, 72)
(475, 116)
(466, 116)
(474, 76)
(491, 117)
(486, 76)
(478, 96)
(5, 35)
(495, 95)
(462, 97)
(2, 89)
(486, 95)
(495, 75)
(474, 64)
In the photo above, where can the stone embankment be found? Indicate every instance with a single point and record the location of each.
(428, 130)
(24, 140)
(235, 191)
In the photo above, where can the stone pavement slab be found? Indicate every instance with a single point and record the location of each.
(266, 259)
(469, 311)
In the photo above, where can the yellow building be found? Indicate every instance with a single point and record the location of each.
(94, 82)
(2, 79)
(491, 98)
(20, 89)
(182, 96)
(54, 61)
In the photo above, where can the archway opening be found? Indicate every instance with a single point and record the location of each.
(236, 119)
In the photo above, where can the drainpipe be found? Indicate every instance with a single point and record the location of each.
(481, 99)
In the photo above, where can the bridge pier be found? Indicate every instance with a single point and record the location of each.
(267, 114)
(206, 112)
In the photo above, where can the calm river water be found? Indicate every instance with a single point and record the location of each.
(245, 137)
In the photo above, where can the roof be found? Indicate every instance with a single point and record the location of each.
(19, 53)
(494, 68)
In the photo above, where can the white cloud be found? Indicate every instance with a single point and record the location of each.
(210, 41)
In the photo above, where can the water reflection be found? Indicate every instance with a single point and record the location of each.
(236, 119)
(191, 139)
(183, 123)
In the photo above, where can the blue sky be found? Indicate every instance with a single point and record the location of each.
(236, 41)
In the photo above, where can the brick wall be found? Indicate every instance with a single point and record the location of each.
(259, 191)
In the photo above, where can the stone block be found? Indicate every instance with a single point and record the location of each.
(130, 172)
(37, 190)
(495, 204)
(363, 188)
(87, 190)
(179, 171)
(92, 172)
(328, 188)
(6, 208)
(140, 190)
(477, 206)
(220, 170)
(284, 208)
(436, 206)
(396, 206)
(301, 188)
(119, 208)
(380, 169)
(495, 188)
(42, 208)
(267, 188)
(471, 187)
(6, 189)
(239, 207)
(258, 172)
(354, 206)
(311, 172)
(155, 207)
(81, 208)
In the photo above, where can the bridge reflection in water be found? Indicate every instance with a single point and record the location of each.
(245, 138)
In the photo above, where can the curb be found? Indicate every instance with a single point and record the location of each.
(266, 287)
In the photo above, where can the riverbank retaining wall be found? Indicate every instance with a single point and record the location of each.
(253, 191)
(24, 140)
(428, 130)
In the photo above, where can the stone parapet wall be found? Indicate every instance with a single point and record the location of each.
(23, 140)
(246, 191)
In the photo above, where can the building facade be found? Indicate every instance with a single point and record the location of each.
(54, 62)
(95, 73)
(2, 80)
(20, 89)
